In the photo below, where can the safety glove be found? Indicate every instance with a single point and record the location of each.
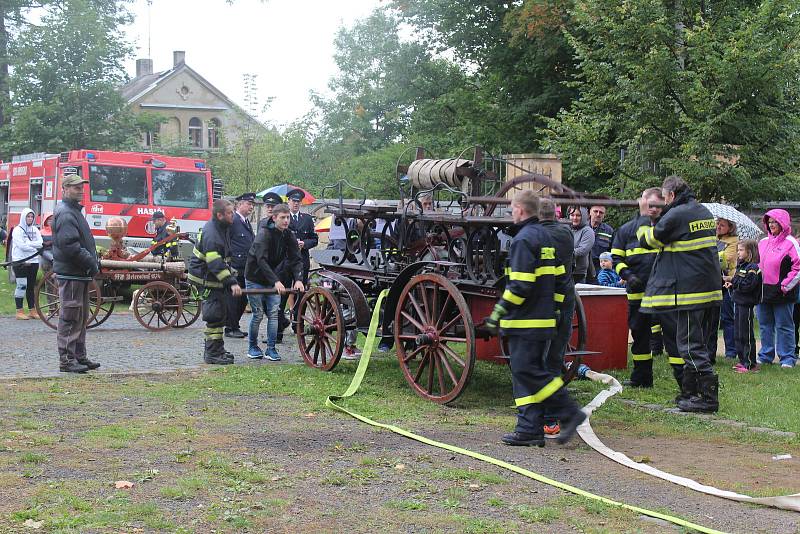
(635, 284)
(492, 323)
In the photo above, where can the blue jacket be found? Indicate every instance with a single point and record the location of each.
(607, 277)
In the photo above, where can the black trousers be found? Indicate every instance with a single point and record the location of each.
(669, 335)
(235, 305)
(215, 313)
(711, 329)
(535, 388)
(554, 361)
(656, 336)
(744, 335)
(640, 325)
(692, 338)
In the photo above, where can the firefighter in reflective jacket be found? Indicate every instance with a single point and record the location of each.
(526, 315)
(169, 249)
(209, 268)
(685, 279)
(634, 263)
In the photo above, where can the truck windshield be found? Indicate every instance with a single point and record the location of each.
(180, 188)
(124, 185)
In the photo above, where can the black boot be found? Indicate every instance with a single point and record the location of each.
(89, 364)
(215, 353)
(642, 374)
(72, 366)
(677, 372)
(706, 400)
(521, 439)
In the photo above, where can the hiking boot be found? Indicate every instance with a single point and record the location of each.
(706, 399)
(551, 431)
(72, 366)
(522, 439)
(22, 316)
(642, 374)
(33, 314)
(570, 426)
(218, 359)
(89, 363)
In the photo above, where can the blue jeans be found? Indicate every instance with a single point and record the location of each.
(260, 304)
(777, 332)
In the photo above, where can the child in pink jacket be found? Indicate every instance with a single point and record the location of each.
(779, 263)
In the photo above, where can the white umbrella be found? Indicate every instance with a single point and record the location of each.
(745, 227)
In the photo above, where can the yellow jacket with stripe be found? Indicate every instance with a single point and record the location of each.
(209, 265)
(686, 272)
(530, 283)
(630, 258)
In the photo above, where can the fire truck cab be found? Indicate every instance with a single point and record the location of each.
(131, 185)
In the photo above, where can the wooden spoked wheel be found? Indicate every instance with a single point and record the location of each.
(191, 302)
(320, 329)
(48, 303)
(434, 338)
(157, 306)
(102, 304)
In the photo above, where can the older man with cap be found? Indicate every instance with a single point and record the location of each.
(241, 236)
(75, 264)
(270, 201)
(302, 225)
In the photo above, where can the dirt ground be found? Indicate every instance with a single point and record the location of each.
(211, 461)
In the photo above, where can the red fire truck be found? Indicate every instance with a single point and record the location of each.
(131, 185)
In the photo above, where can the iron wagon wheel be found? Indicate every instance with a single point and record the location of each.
(434, 338)
(320, 329)
(191, 305)
(48, 303)
(157, 305)
(101, 308)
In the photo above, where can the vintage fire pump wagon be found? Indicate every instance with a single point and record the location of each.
(131, 185)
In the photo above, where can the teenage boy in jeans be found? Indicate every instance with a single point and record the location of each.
(273, 262)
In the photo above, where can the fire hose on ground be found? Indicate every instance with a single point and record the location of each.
(788, 502)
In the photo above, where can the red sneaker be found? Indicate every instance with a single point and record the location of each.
(552, 431)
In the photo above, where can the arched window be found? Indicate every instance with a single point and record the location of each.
(195, 133)
(213, 133)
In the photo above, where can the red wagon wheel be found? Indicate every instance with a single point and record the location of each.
(434, 338)
(320, 329)
(157, 306)
(101, 308)
(192, 304)
(48, 303)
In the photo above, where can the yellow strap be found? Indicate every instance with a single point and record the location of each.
(641, 357)
(199, 281)
(635, 296)
(512, 298)
(692, 244)
(198, 254)
(223, 274)
(676, 361)
(681, 299)
(213, 255)
(649, 237)
(541, 395)
(655, 329)
(618, 252)
(560, 269)
(620, 266)
(531, 277)
(558, 297)
(527, 323)
(363, 364)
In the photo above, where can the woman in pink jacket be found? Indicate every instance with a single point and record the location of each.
(780, 272)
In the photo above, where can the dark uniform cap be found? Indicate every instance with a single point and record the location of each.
(158, 214)
(296, 194)
(272, 199)
(250, 197)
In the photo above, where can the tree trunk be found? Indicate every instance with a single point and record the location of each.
(5, 94)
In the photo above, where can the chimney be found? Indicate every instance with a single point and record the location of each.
(144, 67)
(178, 58)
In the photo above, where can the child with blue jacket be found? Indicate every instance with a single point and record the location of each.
(607, 277)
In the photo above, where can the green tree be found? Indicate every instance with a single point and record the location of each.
(65, 78)
(704, 89)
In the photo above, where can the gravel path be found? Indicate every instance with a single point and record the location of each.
(120, 345)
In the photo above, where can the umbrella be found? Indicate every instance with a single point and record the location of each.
(324, 225)
(283, 190)
(745, 227)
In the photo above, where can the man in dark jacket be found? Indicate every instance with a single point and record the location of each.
(270, 201)
(603, 236)
(273, 262)
(633, 263)
(210, 270)
(75, 264)
(168, 249)
(685, 280)
(526, 315)
(242, 235)
(564, 297)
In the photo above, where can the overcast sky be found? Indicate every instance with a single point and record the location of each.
(287, 43)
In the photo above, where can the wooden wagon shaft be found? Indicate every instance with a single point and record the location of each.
(562, 199)
(170, 266)
(265, 291)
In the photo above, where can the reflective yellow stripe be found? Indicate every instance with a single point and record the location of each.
(198, 254)
(223, 274)
(641, 357)
(676, 361)
(681, 299)
(637, 251)
(647, 233)
(620, 266)
(560, 270)
(617, 252)
(655, 329)
(558, 297)
(213, 255)
(692, 244)
(527, 323)
(507, 271)
(531, 277)
(542, 394)
(635, 296)
(512, 298)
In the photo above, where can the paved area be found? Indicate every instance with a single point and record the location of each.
(121, 345)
